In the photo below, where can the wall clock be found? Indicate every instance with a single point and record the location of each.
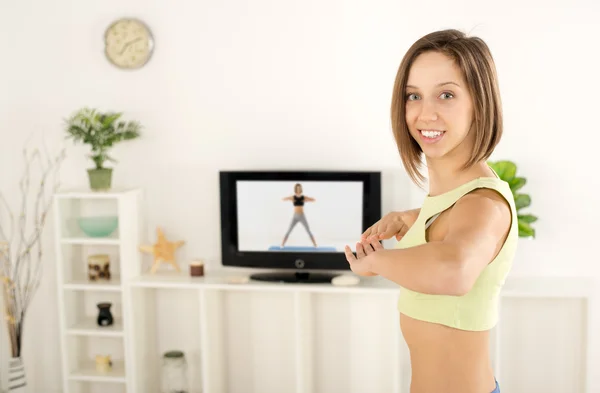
(128, 43)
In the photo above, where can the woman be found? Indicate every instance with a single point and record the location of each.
(299, 217)
(453, 253)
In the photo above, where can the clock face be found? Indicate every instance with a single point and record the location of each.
(128, 43)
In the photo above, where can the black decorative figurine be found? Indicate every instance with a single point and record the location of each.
(105, 317)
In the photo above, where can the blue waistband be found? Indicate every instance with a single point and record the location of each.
(497, 390)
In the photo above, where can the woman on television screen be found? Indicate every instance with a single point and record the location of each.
(299, 217)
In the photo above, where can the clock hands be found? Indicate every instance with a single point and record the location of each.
(127, 45)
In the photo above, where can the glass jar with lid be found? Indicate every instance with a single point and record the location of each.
(174, 373)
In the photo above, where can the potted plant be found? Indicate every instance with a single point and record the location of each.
(507, 171)
(101, 131)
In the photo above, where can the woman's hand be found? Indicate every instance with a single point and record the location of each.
(361, 263)
(392, 224)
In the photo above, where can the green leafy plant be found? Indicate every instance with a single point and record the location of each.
(507, 171)
(101, 131)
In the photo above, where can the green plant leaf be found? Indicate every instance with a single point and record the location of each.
(525, 230)
(516, 183)
(527, 218)
(101, 131)
(505, 169)
(522, 200)
(110, 118)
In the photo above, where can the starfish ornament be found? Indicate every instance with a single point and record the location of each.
(163, 251)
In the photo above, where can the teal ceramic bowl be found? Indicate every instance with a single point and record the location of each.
(100, 226)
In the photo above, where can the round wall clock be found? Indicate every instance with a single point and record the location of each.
(128, 43)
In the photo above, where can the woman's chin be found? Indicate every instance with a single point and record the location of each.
(434, 154)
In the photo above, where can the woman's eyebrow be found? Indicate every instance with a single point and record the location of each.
(438, 85)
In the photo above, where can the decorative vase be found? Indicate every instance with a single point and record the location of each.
(99, 267)
(105, 317)
(174, 377)
(16, 376)
(100, 179)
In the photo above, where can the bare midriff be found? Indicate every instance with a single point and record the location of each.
(447, 360)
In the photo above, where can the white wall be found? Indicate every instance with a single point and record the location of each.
(295, 85)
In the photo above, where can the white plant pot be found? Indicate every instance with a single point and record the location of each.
(16, 376)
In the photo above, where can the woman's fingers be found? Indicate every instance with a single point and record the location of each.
(388, 231)
(376, 246)
(372, 230)
(402, 232)
(375, 230)
(366, 233)
(360, 251)
(349, 255)
(382, 232)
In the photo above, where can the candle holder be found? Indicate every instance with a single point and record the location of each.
(99, 267)
(197, 268)
(103, 363)
(105, 317)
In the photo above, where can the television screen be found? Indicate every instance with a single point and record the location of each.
(295, 221)
(298, 215)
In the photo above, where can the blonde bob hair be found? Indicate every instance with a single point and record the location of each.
(473, 57)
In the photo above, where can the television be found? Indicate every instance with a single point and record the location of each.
(295, 222)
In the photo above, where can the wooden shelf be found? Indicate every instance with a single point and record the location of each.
(523, 287)
(88, 373)
(92, 241)
(220, 280)
(114, 285)
(89, 327)
(83, 193)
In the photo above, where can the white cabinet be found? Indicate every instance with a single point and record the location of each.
(318, 338)
(263, 336)
(82, 337)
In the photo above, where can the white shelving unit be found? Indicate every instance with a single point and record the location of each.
(297, 338)
(81, 336)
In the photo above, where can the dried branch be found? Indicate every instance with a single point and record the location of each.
(21, 263)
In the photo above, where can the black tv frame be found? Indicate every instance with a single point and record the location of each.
(296, 266)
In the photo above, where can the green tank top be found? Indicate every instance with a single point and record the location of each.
(478, 309)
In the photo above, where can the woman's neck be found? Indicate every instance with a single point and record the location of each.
(445, 175)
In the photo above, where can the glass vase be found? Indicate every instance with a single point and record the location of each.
(174, 373)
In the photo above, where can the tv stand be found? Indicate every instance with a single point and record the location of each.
(295, 277)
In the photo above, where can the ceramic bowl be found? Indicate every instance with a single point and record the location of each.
(100, 226)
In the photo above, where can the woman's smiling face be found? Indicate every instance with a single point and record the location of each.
(439, 108)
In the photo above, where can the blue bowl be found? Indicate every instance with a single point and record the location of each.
(100, 226)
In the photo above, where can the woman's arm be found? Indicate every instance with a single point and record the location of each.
(395, 223)
(479, 223)
(288, 198)
(309, 199)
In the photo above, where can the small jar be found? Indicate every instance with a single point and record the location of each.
(99, 267)
(174, 373)
(197, 268)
